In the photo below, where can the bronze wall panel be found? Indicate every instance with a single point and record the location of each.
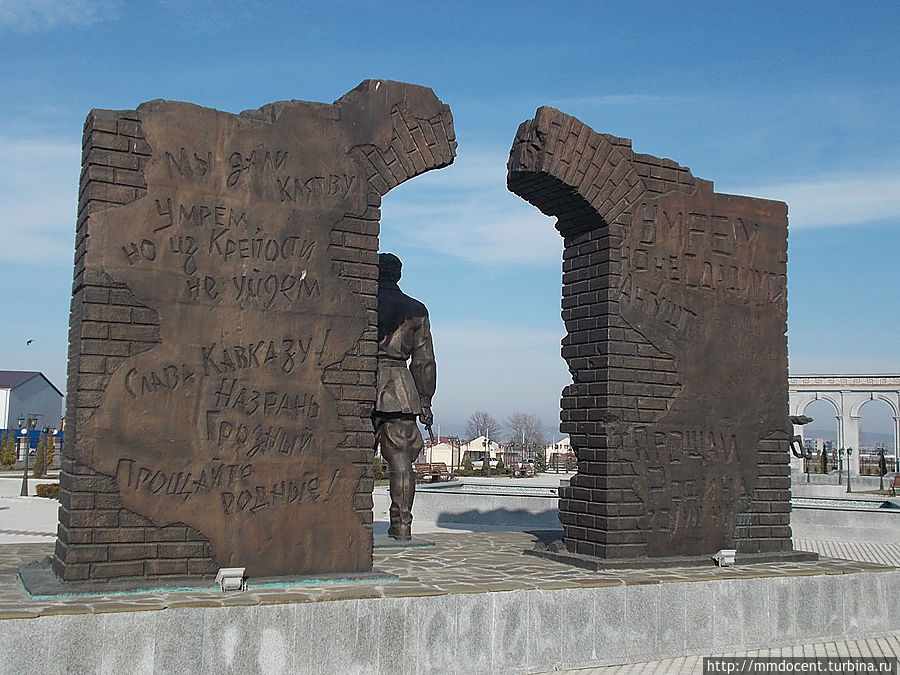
(675, 305)
(223, 326)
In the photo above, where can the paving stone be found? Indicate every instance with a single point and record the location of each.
(457, 572)
(458, 563)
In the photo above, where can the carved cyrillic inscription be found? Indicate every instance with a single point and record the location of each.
(679, 498)
(278, 355)
(308, 188)
(251, 313)
(259, 160)
(675, 301)
(655, 304)
(232, 395)
(704, 253)
(197, 215)
(235, 484)
(224, 247)
(168, 377)
(188, 164)
(226, 274)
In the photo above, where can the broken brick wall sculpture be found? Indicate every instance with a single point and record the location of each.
(674, 301)
(222, 332)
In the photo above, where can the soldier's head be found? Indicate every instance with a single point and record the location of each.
(389, 267)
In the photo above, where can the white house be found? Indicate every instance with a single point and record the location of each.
(28, 395)
(441, 452)
(475, 449)
(454, 455)
(562, 448)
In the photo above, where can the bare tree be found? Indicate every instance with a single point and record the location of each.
(481, 423)
(526, 433)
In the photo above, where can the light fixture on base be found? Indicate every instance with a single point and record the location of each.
(232, 579)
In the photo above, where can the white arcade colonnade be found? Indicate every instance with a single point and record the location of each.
(848, 394)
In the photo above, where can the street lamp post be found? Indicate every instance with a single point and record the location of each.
(881, 470)
(840, 466)
(524, 452)
(26, 431)
(849, 471)
(808, 460)
(454, 452)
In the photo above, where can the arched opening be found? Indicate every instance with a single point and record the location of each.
(876, 435)
(490, 278)
(821, 436)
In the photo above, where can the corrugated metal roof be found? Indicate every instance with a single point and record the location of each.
(10, 379)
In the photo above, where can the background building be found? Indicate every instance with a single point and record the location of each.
(29, 395)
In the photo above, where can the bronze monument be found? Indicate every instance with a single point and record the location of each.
(403, 393)
(675, 305)
(224, 331)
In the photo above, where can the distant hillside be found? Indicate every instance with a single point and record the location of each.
(868, 439)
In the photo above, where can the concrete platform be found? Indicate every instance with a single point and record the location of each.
(472, 603)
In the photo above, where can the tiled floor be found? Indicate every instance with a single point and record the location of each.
(885, 646)
(458, 563)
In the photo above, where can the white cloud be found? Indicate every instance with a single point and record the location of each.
(482, 231)
(38, 199)
(466, 211)
(500, 369)
(836, 199)
(29, 16)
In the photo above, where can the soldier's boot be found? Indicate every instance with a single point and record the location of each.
(398, 529)
(401, 521)
(394, 529)
(403, 491)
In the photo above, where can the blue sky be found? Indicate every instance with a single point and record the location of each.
(797, 101)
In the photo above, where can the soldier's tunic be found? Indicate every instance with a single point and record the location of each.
(402, 393)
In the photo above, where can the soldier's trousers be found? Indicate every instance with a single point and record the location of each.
(401, 442)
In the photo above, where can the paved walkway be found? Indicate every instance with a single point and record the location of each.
(886, 646)
(468, 562)
(25, 519)
(885, 554)
(491, 560)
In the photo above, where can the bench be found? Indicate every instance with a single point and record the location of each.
(894, 485)
(433, 472)
(524, 470)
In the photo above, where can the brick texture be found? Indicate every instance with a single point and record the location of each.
(98, 538)
(621, 381)
(107, 324)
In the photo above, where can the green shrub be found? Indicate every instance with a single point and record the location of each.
(8, 450)
(378, 465)
(540, 462)
(501, 467)
(40, 459)
(50, 453)
(486, 466)
(468, 466)
(48, 490)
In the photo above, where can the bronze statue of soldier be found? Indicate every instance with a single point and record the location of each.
(403, 393)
